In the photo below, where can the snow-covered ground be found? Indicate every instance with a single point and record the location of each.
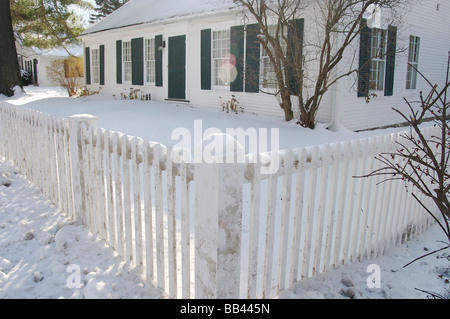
(41, 250)
(42, 254)
(155, 120)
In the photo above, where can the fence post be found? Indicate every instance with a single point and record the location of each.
(76, 157)
(218, 201)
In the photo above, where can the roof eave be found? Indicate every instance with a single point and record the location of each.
(167, 20)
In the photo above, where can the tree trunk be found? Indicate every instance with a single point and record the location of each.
(307, 113)
(286, 105)
(9, 66)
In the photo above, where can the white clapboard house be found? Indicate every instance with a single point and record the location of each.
(36, 61)
(180, 50)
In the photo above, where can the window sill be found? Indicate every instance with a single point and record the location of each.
(221, 88)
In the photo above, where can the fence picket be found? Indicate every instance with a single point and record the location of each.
(171, 229)
(117, 150)
(185, 232)
(320, 209)
(130, 255)
(353, 220)
(285, 217)
(310, 210)
(339, 254)
(270, 230)
(159, 211)
(359, 210)
(254, 230)
(332, 207)
(109, 189)
(136, 173)
(148, 212)
(297, 228)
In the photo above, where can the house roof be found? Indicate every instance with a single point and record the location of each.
(74, 50)
(138, 12)
(61, 52)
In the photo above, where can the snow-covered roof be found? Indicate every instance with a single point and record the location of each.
(59, 51)
(138, 12)
(74, 50)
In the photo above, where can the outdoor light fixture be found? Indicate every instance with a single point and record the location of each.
(161, 47)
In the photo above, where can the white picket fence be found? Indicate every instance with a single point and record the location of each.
(215, 230)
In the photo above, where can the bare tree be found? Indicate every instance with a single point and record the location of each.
(423, 161)
(338, 24)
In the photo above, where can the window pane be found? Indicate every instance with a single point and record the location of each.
(221, 57)
(378, 60)
(413, 63)
(150, 60)
(126, 58)
(95, 69)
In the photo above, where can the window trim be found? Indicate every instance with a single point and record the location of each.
(378, 58)
(411, 74)
(95, 69)
(128, 62)
(149, 51)
(213, 59)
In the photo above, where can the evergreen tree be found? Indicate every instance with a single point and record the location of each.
(105, 7)
(47, 23)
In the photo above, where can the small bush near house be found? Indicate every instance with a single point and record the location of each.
(27, 79)
(68, 73)
(231, 105)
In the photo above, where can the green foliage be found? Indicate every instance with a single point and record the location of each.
(47, 23)
(105, 7)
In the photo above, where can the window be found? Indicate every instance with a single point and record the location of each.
(413, 63)
(28, 67)
(378, 60)
(95, 61)
(269, 79)
(221, 57)
(126, 60)
(149, 57)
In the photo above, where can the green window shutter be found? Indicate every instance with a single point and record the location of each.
(119, 61)
(102, 65)
(364, 59)
(390, 61)
(87, 59)
(252, 64)
(237, 50)
(137, 61)
(158, 61)
(205, 53)
(295, 55)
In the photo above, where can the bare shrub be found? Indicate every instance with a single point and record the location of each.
(68, 73)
